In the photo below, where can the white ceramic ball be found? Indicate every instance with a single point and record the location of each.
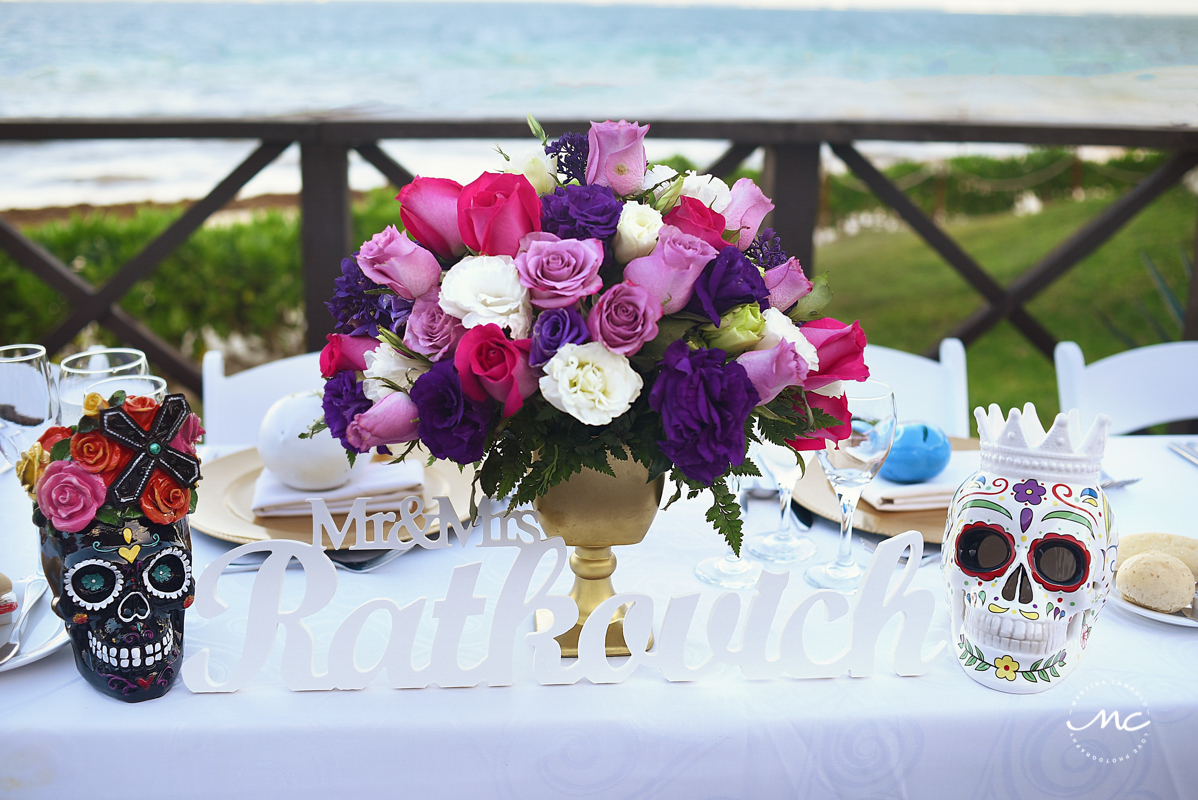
(316, 464)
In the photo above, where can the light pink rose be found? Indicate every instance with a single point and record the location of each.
(69, 496)
(559, 272)
(774, 369)
(746, 211)
(787, 284)
(428, 208)
(617, 155)
(841, 350)
(391, 420)
(624, 318)
(345, 352)
(430, 330)
(393, 260)
(669, 272)
(189, 433)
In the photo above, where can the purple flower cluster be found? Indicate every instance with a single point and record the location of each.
(554, 328)
(581, 212)
(359, 313)
(728, 280)
(343, 400)
(571, 150)
(766, 250)
(451, 426)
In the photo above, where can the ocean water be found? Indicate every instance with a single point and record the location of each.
(461, 60)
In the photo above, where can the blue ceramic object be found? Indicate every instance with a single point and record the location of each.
(920, 452)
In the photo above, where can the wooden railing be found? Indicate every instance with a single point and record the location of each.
(791, 177)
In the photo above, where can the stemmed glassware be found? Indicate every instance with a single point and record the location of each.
(131, 385)
(782, 546)
(730, 571)
(850, 465)
(77, 373)
(28, 402)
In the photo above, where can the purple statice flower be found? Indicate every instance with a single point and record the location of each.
(343, 400)
(581, 212)
(571, 150)
(451, 425)
(728, 280)
(554, 328)
(766, 250)
(361, 314)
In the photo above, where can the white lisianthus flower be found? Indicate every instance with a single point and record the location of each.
(386, 364)
(538, 166)
(482, 289)
(778, 327)
(708, 190)
(590, 383)
(661, 174)
(636, 233)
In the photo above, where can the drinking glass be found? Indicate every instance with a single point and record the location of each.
(78, 372)
(730, 571)
(782, 546)
(850, 465)
(28, 403)
(132, 385)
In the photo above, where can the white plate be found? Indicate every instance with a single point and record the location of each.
(45, 632)
(1169, 619)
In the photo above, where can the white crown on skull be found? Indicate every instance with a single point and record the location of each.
(1019, 448)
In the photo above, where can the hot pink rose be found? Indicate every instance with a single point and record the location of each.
(841, 350)
(189, 433)
(345, 352)
(746, 211)
(393, 260)
(774, 369)
(624, 318)
(691, 216)
(558, 272)
(617, 155)
(496, 211)
(390, 421)
(837, 407)
(787, 284)
(669, 272)
(428, 208)
(491, 365)
(69, 496)
(430, 330)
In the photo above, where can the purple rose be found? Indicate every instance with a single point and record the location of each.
(343, 400)
(359, 313)
(390, 421)
(554, 328)
(393, 260)
(581, 212)
(729, 280)
(774, 369)
(704, 404)
(624, 318)
(559, 272)
(69, 496)
(670, 271)
(431, 331)
(787, 284)
(451, 425)
(616, 155)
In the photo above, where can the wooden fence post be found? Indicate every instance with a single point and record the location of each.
(790, 177)
(325, 230)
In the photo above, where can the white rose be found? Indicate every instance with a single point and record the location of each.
(661, 174)
(590, 383)
(539, 167)
(708, 190)
(385, 363)
(482, 289)
(636, 233)
(778, 327)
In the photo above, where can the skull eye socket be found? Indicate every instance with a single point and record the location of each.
(984, 551)
(93, 583)
(168, 575)
(1060, 563)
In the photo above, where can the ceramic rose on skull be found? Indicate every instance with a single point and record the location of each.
(1029, 550)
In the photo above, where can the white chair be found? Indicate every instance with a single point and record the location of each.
(1136, 389)
(235, 405)
(930, 391)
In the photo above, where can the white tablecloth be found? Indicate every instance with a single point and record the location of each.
(939, 735)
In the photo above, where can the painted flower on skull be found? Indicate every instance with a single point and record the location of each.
(1006, 667)
(1030, 491)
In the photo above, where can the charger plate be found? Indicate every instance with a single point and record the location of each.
(814, 492)
(227, 493)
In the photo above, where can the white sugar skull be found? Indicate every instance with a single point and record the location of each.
(1029, 550)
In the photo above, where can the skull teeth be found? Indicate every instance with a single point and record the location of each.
(132, 657)
(1002, 632)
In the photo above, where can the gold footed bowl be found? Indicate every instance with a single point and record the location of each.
(594, 512)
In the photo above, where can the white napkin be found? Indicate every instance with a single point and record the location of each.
(386, 485)
(935, 493)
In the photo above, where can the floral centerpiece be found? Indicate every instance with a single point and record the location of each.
(580, 307)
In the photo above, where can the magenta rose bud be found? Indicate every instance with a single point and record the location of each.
(669, 272)
(491, 365)
(746, 211)
(787, 284)
(495, 211)
(189, 433)
(69, 496)
(841, 350)
(390, 421)
(345, 352)
(691, 216)
(559, 272)
(774, 369)
(624, 318)
(430, 330)
(837, 407)
(428, 208)
(617, 156)
(393, 260)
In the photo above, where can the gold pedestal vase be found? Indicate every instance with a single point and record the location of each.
(593, 512)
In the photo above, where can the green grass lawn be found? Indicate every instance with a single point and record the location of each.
(907, 297)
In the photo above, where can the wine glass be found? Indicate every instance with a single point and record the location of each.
(850, 465)
(28, 402)
(781, 546)
(78, 372)
(730, 571)
(132, 385)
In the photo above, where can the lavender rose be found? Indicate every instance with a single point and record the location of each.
(393, 260)
(624, 318)
(390, 421)
(581, 212)
(431, 330)
(559, 272)
(69, 496)
(773, 370)
(729, 280)
(703, 404)
(451, 425)
(670, 271)
(343, 400)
